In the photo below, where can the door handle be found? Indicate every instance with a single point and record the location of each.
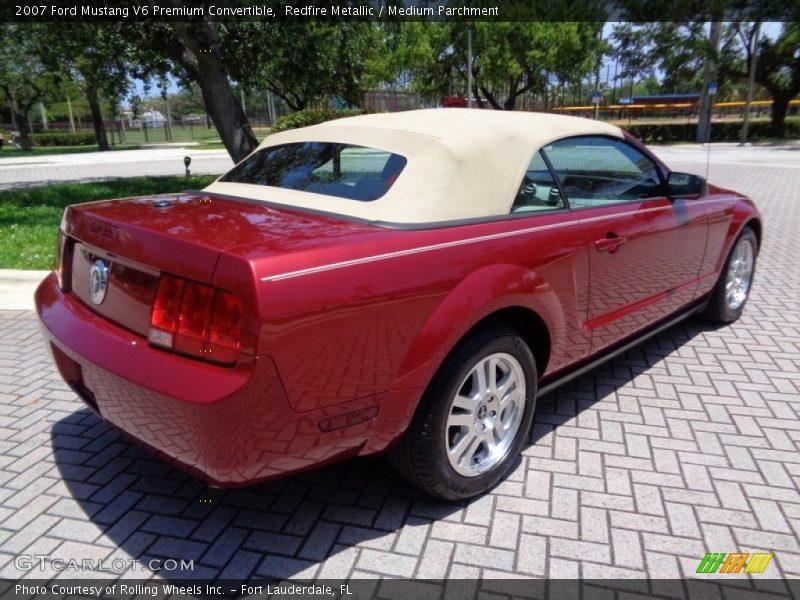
(610, 243)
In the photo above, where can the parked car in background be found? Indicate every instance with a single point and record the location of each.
(409, 282)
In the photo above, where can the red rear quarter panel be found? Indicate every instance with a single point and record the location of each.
(368, 316)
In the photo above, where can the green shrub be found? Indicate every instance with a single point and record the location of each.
(79, 138)
(312, 116)
(727, 131)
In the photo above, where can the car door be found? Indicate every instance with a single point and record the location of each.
(645, 249)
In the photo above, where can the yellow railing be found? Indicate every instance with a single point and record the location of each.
(737, 104)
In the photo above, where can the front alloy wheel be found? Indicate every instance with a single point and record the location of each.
(730, 294)
(473, 419)
(740, 273)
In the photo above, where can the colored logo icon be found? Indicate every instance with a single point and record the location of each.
(737, 562)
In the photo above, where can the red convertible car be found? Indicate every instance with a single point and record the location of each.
(407, 282)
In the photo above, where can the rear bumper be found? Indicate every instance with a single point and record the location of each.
(227, 426)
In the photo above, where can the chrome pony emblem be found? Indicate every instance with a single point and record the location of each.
(98, 281)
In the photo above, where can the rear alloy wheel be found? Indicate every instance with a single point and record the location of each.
(733, 287)
(485, 415)
(473, 419)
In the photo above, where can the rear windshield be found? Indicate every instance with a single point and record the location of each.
(342, 170)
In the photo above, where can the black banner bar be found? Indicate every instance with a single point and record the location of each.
(402, 589)
(398, 10)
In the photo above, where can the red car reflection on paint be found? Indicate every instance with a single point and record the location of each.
(408, 281)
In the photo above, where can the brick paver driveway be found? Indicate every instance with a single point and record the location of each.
(685, 445)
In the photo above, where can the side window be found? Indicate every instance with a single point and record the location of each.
(538, 190)
(595, 171)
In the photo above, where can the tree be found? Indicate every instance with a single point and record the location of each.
(24, 79)
(778, 70)
(676, 50)
(95, 56)
(305, 63)
(777, 64)
(509, 59)
(196, 51)
(188, 101)
(680, 49)
(632, 50)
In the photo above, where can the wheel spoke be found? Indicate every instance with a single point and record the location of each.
(465, 403)
(460, 420)
(474, 446)
(491, 374)
(466, 448)
(509, 399)
(505, 382)
(481, 384)
(500, 430)
(457, 452)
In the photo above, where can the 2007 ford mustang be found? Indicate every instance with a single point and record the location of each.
(408, 281)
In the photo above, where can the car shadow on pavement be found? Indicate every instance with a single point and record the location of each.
(303, 526)
(310, 525)
(603, 384)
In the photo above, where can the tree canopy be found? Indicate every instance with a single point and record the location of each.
(305, 63)
(96, 57)
(509, 59)
(308, 64)
(25, 79)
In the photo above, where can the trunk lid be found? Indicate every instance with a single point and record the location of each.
(136, 239)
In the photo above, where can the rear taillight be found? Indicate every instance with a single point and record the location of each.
(224, 326)
(166, 311)
(193, 319)
(196, 319)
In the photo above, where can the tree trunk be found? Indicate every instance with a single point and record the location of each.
(490, 98)
(20, 118)
(513, 92)
(24, 140)
(511, 101)
(226, 112)
(780, 104)
(476, 94)
(97, 118)
(295, 103)
(198, 53)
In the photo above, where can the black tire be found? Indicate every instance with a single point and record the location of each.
(718, 309)
(421, 455)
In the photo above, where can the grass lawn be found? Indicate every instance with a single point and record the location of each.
(29, 218)
(158, 135)
(200, 138)
(202, 135)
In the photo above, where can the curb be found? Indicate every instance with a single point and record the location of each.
(17, 288)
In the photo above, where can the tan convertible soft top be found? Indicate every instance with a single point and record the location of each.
(462, 163)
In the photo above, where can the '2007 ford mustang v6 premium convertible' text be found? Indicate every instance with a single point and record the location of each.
(407, 281)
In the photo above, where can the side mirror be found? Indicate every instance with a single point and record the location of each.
(682, 185)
